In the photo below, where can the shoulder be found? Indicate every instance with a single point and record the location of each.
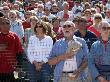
(79, 39)
(48, 38)
(32, 37)
(91, 34)
(13, 34)
(96, 43)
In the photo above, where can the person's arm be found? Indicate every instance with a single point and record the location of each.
(60, 58)
(30, 49)
(19, 51)
(91, 63)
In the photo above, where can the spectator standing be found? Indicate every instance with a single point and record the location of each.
(16, 26)
(68, 62)
(99, 57)
(77, 9)
(94, 28)
(65, 14)
(11, 52)
(82, 32)
(38, 51)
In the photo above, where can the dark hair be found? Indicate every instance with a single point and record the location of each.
(42, 25)
(1, 14)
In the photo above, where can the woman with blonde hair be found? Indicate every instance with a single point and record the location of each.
(30, 31)
(94, 28)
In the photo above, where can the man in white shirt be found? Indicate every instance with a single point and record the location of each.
(77, 9)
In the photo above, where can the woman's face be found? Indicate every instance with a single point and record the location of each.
(98, 9)
(97, 20)
(33, 22)
(39, 29)
(56, 23)
(28, 14)
(87, 14)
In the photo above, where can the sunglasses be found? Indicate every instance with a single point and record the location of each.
(5, 9)
(105, 28)
(39, 26)
(67, 26)
(82, 21)
(97, 17)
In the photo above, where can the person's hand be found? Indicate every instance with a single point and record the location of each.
(38, 65)
(101, 79)
(75, 75)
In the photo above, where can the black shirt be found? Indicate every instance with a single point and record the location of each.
(90, 37)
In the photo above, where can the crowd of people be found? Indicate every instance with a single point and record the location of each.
(55, 41)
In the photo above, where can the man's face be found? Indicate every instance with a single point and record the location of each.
(4, 27)
(68, 30)
(82, 24)
(104, 31)
(12, 16)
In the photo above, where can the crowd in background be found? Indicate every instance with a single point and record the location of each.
(41, 31)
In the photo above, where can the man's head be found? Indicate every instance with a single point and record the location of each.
(12, 15)
(104, 28)
(82, 23)
(4, 25)
(68, 28)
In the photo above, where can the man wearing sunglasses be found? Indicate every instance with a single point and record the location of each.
(82, 32)
(10, 51)
(69, 55)
(99, 58)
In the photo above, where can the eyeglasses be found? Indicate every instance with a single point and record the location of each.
(5, 9)
(97, 17)
(28, 14)
(39, 26)
(105, 28)
(82, 21)
(67, 26)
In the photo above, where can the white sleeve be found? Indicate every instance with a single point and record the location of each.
(49, 48)
(30, 50)
(21, 30)
(60, 14)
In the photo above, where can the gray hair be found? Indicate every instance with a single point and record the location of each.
(69, 23)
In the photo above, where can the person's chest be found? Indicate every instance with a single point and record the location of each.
(102, 54)
(7, 42)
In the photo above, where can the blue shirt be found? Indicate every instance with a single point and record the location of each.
(99, 56)
(60, 48)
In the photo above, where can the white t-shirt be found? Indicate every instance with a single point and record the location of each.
(74, 11)
(70, 65)
(39, 50)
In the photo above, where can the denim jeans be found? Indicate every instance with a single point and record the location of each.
(40, 76)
